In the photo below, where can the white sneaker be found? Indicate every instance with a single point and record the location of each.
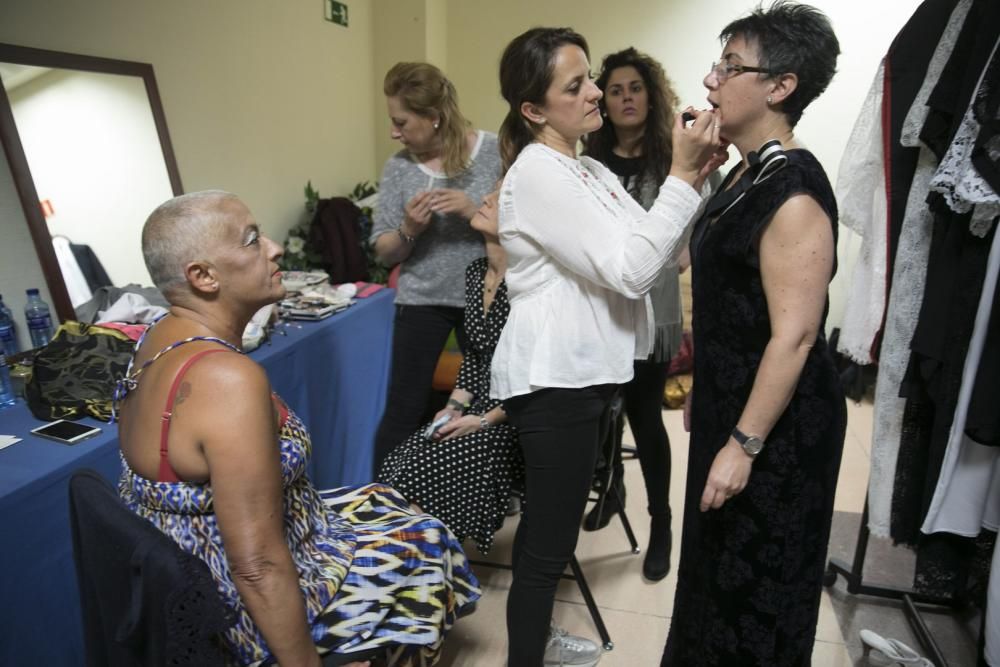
(567, 650)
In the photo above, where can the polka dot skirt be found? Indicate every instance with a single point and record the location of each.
(466, 482)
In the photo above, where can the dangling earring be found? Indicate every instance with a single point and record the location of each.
(769, 100)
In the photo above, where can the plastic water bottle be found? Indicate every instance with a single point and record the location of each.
(7, 336)
(6, 390)
(36, 312)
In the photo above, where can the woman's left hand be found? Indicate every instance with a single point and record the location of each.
(728, 476)
(456, 428)
(719, 158)
(444, 200)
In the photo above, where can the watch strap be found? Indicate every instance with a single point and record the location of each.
(739, 436)
(744, 440)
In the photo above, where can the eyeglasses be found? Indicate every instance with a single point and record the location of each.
(726, 70)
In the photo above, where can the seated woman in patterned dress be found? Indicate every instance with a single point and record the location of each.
(216, 461)
(464, 473)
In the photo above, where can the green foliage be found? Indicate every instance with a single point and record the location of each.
(312, 198)
(299, 253)
(377, 273)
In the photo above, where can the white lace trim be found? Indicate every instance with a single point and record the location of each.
(958, 181)
(917, 114)
(861, 202)
(909, 276)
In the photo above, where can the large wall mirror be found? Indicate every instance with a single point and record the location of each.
(87, 143)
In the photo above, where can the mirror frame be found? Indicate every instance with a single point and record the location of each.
(21, 173)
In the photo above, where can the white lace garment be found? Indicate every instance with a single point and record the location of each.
(963, 188)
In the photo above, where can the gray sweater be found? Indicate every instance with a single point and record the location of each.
(434, 273)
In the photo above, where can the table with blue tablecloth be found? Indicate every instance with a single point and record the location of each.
(333, 373)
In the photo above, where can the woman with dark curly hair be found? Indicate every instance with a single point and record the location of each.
(768, 415)
(639, 105)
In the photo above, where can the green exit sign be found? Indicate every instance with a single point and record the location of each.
(336, 12)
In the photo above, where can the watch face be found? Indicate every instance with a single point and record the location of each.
(753, 445)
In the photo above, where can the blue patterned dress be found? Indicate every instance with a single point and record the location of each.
(373, 574)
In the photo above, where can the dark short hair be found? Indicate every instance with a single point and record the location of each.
(791, 39)
(526, 70)
(657, 150)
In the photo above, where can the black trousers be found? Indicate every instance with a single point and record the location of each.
(644, 408)
(559, 432)
(418, 336)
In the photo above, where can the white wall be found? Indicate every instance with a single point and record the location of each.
(260, 96)
(683, 36)
(93, 151)
(399, 34)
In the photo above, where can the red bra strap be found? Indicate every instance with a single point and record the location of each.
(167, 473)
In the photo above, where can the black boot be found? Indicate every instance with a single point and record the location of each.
(609, 508)
(656, 565)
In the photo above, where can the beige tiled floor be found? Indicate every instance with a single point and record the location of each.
(637, 612)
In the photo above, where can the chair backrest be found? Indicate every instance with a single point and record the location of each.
(144, 600)
(610, 439)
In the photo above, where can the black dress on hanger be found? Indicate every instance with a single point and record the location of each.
(955, 273)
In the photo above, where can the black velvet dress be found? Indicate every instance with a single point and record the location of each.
(750, 574)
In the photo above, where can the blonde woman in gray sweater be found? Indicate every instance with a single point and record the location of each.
(428, 193)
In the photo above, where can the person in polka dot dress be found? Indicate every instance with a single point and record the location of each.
(466, 472)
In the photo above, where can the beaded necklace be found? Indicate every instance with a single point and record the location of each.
(131, 380)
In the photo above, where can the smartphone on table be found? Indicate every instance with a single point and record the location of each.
(66, 432)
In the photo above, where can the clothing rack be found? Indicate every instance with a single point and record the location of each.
(854, 576)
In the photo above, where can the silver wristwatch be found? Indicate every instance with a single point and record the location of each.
(751, 444)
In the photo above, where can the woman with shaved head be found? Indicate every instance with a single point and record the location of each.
(214, 459)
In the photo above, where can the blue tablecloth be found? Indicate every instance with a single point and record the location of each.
(333, 373)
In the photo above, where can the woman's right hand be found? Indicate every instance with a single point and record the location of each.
(417, 214)
(695, 147)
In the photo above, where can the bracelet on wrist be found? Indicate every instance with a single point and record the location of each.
(405, 237)
(483, 424)
(458, 405)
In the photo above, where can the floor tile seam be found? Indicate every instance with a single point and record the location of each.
(601, 607)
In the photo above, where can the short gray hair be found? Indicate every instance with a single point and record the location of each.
(178, 231)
